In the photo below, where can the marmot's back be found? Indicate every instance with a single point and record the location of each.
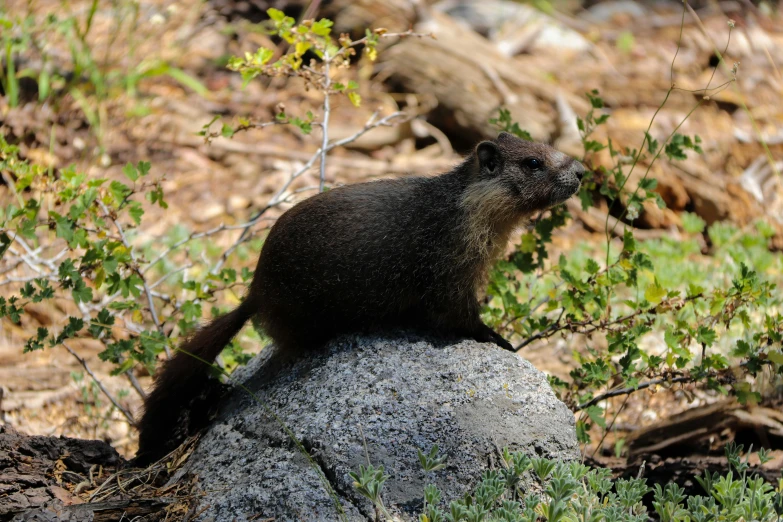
(353, 258)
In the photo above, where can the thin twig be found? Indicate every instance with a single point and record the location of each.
(325, 125)
(173, 272)
(135, 382)
(362, 41)
(609, 427)
(626, 391)
(9, 280)
(741, 100)
(195, 235)
(592, 326)
(101, 386)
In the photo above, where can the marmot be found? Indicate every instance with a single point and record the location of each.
(406, 253)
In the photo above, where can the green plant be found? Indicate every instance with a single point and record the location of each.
(311, 38)
(369, 483)
(431, 461)
(572, 492)
(712, 327)
(89, 80)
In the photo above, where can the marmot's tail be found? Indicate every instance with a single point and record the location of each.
(180, 380)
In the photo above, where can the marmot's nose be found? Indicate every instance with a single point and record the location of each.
(579, 169)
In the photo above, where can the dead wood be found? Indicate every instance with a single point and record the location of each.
(681, 470)
(63, 479)
(471, 80)
(706, 430)
(38, 471)
(96, 512)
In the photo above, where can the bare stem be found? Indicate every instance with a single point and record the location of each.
(626, 391)
(135, 383)
(325, 125)
(95, 378)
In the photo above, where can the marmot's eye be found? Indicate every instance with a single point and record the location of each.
(533, 163)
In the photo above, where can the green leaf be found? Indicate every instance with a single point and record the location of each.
(652, 143)
(143, 167)
(625, 42)
(81, 292)
(70, 330)
(527, 243)
(654, 293)
(156, 196)
(355, 98)
(126, 365)
(629, 242)
(706, 335)
(136, 211)
(102, 323)
(595, 100)
(110, 264)
(187, 80)
(648, 184)
(776, 356)
(5, 243)
(596, 414)
(585, 198)
(694, 290)
(119, 191)
(64, 228)
(593, 146)
(275, 14)
(322, 27)
(130, 172)
(37, 342)
(692, 223)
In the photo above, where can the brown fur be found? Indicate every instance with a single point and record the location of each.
(407, 253)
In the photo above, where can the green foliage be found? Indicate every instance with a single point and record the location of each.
(310, 38)
(430, 461)
(712, 316)
(504, 123)
(369, 482)
(83, 73)
(575, 493)
(102, 274)
(711, 319)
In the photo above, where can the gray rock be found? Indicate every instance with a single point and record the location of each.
(381, 399)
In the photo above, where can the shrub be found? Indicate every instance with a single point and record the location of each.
(570, 491)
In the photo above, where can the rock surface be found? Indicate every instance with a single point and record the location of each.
(381, 399)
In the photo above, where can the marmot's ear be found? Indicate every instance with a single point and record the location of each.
(504, 136)
(489, 156)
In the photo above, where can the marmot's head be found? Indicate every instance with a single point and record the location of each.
(535, 175)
